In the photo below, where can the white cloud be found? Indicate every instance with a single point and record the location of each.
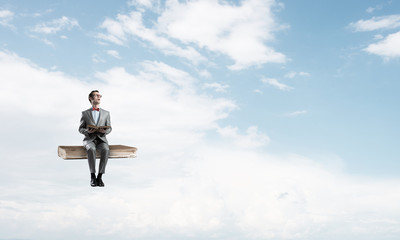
(290, 75)
(376, 23)
(304, 74)
(118, 32)
(4, 14)
(114, 54)
(293, 74)
(378, 36)
(38, 14)
(142, 5)
(27, 79)
(252, 139)
(183, 184)
(258, 91)
(370, 10)
(42, 39)
(46, 41)
(297, 113)
(56, 25)
(5, 17)
(115, 31)
(387, 48)
(216, 86)
(238, 31)
(373, 9)
(97, 59)
(274, 82)
(223, 191)
(205, 73)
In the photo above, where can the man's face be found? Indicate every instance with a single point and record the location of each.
(96, 98)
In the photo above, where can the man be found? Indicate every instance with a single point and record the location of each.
(95, 138)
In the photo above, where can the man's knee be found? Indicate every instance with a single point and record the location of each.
(91, 149)
(105, 148)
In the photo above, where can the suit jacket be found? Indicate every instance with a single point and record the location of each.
(87, 119)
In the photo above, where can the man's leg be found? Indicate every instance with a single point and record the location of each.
(105, 152)
(91, 152)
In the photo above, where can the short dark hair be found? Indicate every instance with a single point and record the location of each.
(91, 95)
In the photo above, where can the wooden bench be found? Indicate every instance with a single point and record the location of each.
(79, 152)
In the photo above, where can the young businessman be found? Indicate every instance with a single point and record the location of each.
(96, 138)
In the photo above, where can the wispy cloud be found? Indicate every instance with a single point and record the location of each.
(56, 25)
(118, 31)
(377, 7)
(216, 86)
(274, 82)
(143, 5)
(378, 37)
(6, 16)
(97, 59)
(371, 9)
(294, 74)
(114, 54)
(376, 23)
(258, 91)
(42, 39)
(204, 73)
(296, 113)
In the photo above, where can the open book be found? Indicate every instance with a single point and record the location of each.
(98, 127)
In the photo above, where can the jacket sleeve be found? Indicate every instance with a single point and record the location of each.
(82, 127)
(108, 123)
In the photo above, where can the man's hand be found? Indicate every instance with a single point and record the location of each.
(102, 130)
(91, 130)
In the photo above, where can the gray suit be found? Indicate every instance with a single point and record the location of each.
(96, 140)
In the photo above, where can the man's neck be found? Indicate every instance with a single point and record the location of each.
(96, 105)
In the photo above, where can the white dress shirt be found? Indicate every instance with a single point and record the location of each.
(95, 115)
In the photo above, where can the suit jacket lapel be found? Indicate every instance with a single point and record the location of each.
(101, 113)
(90, 116)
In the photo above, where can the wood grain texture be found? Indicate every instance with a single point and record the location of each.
(79, 152)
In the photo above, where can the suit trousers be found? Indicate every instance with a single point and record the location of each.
(91, 152)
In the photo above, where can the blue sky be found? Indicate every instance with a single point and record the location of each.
(277, 117)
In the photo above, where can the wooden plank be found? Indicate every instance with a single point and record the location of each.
(79, 152)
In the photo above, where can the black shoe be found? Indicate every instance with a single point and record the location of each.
(93, 182)
(100, 182)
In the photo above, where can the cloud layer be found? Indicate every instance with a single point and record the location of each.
(184, 183)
